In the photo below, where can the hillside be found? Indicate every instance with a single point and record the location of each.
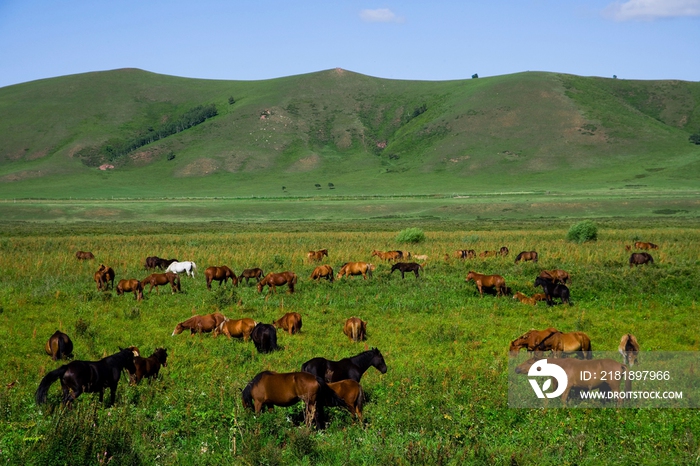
(361, 135)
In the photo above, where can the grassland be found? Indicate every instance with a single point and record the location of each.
(444, 397)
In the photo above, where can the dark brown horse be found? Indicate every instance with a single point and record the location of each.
(148, 367)
(163, 264)
(200, 324)
(629, 349)
(569, 342)
(151, 262)
(356, 268)
(347, 368)
(503, 251)
(352, 394)
(290, 322)
(273, 280)
(104, 277)
(59, 346)
(316, 256)
(236, 328)
(526, 256)
(553, 291)
(84, 255)
(255, 273)
(556, 276)
(322, 271)
(221, 274)
(128, 286)
(404, 267)
(355, 329)
(641, 258)
(643, 245)
(160, 279)
(529, 340)
(488, 281)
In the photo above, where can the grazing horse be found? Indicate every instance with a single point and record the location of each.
(569, 342)
(199, 324)
(59, 346)
(465, 254)
(322, 271)
(264, 338)
(236, 328)
(291, 322)
(529, 340)
(526, 256)
(503, 251)
(220, 274)
(151, 262)
(406, 267)
(355, 329)
(88, 376)
(553, 291)
(488, 281)
(187, 267)
(268, 389)
(348, 368)
(525, 299)
(132, 285)
(255, 273)
(356, 268)
(159, 279)
(84, 255)
(556, 275)
(388, 255)
(352, 394)
(641, 258)
(163, 264)
(103, 277)
(575, 370)
(317, 256)
(148, 367)
(420, 257)
(643, 245)
(629, 349)
(488, 254)
(273, 280)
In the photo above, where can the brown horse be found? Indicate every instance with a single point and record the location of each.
(322, 271)
(641, 258)
(524, 299)
(200, 324)
(317, 255)
(646, 246)
(355, 329)
(255, 273)
(148, 367)
(556, 275)
(221, 274)
(159, 279)
(273, 280)
(59, 346)
(629, 349)
(569, 342)
(526, 256)
(291, 322)
(503, 251)
(488, 254)
(84, 255)
(132, 285)
(529, 340)
(356, 268)
(103, 277)
(539, 297)
(388, 255)
(488, 281)
(236, 328)
(352, 394)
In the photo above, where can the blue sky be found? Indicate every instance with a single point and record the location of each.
(436, 40)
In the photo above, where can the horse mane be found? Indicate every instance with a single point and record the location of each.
(519, 256)
(539, 346)
(364, 358)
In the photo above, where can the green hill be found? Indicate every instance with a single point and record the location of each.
(362, 135)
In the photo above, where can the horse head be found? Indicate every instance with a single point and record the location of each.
(378, 361)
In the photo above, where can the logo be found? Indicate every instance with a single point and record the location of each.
(542, 369)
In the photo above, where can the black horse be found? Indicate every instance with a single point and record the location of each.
(163, 264)
(553, 291)
(264, 338)
(406, 267)
(640, 258)
(348, 368)
(88, 376)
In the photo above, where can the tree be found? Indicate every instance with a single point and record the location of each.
(614, 76)
(318, 186)
(231, 100)
(475, 75)
(331, 186)
(695, 138)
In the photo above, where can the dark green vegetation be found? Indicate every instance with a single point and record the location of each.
(582, 231)
(444, 397)
(410, 235)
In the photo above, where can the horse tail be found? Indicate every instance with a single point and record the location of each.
(328, 396)
(61, 348)
(354, 333)
(46, 382)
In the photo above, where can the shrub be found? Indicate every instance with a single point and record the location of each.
(410, 235)
(582, 232)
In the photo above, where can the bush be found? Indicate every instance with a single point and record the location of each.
(582, 232)
(411, 235)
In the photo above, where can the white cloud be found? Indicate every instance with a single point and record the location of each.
(380, 15)
(652, 9)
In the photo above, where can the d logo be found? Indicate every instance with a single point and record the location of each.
(542, 369)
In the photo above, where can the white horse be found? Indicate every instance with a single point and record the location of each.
(180, 267)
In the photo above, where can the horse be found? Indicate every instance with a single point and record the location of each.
(529, 340)
(148, 367)
(163, 264)
(525, 299)
(103, 277)
(236, 328)
(569, 342)
(355, 329)
(503, 251)
(420, 257)
(132, 285)
(291, 322)
(388, 255)
(348, 368)
(88, 376)
(264, 338)
(84, 255)
(553, 291)
(268, 389)
(255, 273)
(187, 267)
(352, 394)
(488, 281)
(526, 256)
(556, 275)
(151, 262)
(406, 267)
(221, 274)
(322, 271)
(159, 279)
(356, 268)
(317, 256)
(488, 254)
(59, 346)
(199, 324)
(464, 254)
(641, 258)
(273, 280)
(575, 370)
(629, 349)
(646, 246)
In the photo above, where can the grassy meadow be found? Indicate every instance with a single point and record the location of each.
(444, 397)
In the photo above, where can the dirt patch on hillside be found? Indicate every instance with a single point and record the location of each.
(305, 164)
(200, 167)
(38, 154)
(23, 175)
(144, 157)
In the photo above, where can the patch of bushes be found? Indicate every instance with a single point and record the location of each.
(582, 232)
(411, 235)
